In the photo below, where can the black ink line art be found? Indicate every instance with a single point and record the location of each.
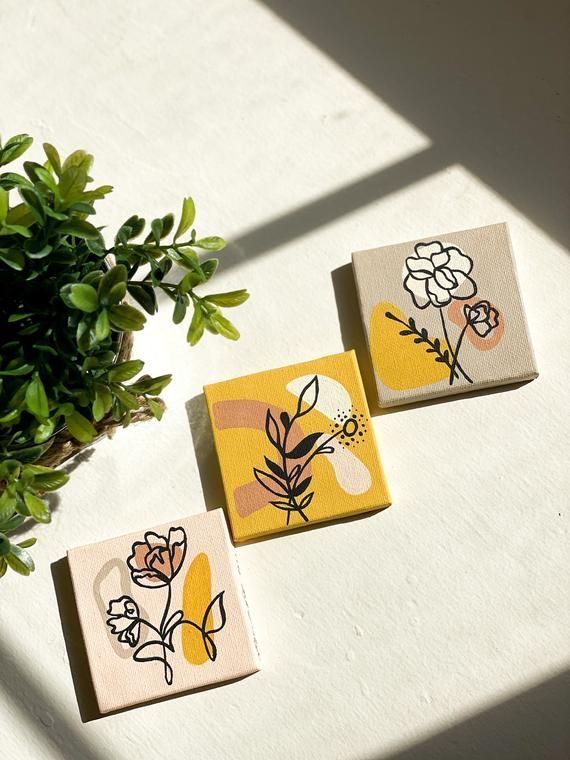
(288, 479)
(436, 275)
(154, 563)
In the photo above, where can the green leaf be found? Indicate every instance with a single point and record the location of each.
(213, 243)
(152, 385)
(27, 542)
(4, 205)
(179, 311)
(117, 293)
(233, 298)
(44, 431)
(72, 183)
(114, 276)
(196, 329)
(224, 326)
(20, 561)
(14, 148)
(37, 507)
(79, 228)
(13, 258)
(5, 545)
(209, 267)
(53, 158)
(156, 408)
(33, 203)
(128, 400)
(189, 281)
(84, 297)
(186, 218)
(22, 369)
(125, 317)
(80, 427)
(144, 295)
(36, 398)
(120, 373)
(80, 159)
(167, 225)
(47, 179)
(48, 479)
(102, 325)
(156, 230)
(102, 403)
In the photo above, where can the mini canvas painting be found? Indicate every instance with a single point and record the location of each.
(162, 611)
(443, 315)
(296, 446)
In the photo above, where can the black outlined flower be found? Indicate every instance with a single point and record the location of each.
(156, 560)
(438, 273)
(124, 620)
(154, 563)
(481, 317)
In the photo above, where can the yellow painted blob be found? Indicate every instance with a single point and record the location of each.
(398, 361)
(196, 596)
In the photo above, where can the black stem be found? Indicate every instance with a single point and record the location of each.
(162, 622)
(457, 347)
(453, 354)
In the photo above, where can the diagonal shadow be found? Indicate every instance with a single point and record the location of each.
(334, 205)
(39, 707)
(532, 725)
(481, 80)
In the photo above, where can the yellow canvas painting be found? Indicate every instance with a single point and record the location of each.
(296, 446)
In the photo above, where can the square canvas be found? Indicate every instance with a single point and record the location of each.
(296, 446)
(162, 611)
(443, 315)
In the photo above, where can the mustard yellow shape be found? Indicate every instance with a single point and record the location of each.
(398, 361)
(196, 596)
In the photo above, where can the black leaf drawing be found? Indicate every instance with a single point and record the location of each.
(262, 477)
(302, 486)
(287, 484)
(308, 395)
(304, 446)
(275, 469)
(272, 430)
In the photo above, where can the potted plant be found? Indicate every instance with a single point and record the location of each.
(68, 306)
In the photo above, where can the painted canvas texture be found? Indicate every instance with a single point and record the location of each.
(296, 446)
(162, 611)
(443, 315)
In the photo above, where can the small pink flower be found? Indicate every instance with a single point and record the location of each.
(482, 317)
(156, 560)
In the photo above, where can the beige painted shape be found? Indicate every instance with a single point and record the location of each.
(118, 680)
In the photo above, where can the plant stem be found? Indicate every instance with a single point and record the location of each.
(291, 498)
(162, 623)
(452, 353)
(457, 347)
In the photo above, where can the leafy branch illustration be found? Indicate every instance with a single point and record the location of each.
(154, 563)
(421, 336)
(287, 479)
(436, 275)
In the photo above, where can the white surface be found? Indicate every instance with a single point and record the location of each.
(409, 626)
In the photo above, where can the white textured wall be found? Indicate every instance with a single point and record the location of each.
(442, 621)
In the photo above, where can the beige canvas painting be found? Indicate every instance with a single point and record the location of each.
(443, 315)
(162, 611)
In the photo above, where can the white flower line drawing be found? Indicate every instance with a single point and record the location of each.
(435, 275)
